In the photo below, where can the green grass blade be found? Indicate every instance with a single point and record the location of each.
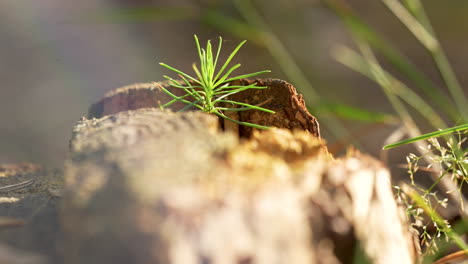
(277, 49)
(199, 93)
(246, 75)
(202, 56)
(457, 239)
(175, 97)
(220, 89)
(356, 62)
(187, 83)
(217, 53)
(234, 91)
(226, 75)
(428, 135)
(248, 105)
(229, 93)
(199, 75)
(209, 61)
(173, 100)
(429, 41)
(203, 69)
(179, 72)
(358, 114)
(176, 84)
(195, 94)
(288, 65)
(206, 66)
(181, 86)
(242, 123)
(360, 29)
(233, 53)
(234, 109)
(416, 28)
(387, 86)
(195, 103)
(199, 50)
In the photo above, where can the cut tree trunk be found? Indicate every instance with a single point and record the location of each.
(144, 185)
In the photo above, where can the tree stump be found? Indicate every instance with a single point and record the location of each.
(151, 186)
(144, 185)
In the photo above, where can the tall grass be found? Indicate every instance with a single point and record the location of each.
(448, 161)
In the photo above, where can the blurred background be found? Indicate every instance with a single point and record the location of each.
(58, 57)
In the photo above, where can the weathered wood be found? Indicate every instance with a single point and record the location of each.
(281, 97)
(151, 186)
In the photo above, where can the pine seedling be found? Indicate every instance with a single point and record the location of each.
(209, 91)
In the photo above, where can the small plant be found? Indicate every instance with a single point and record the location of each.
(423, 203)
(452, 161)
(210, 90)
(446, 162)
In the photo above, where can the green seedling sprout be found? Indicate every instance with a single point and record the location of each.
(428, 135)
(210, 89)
